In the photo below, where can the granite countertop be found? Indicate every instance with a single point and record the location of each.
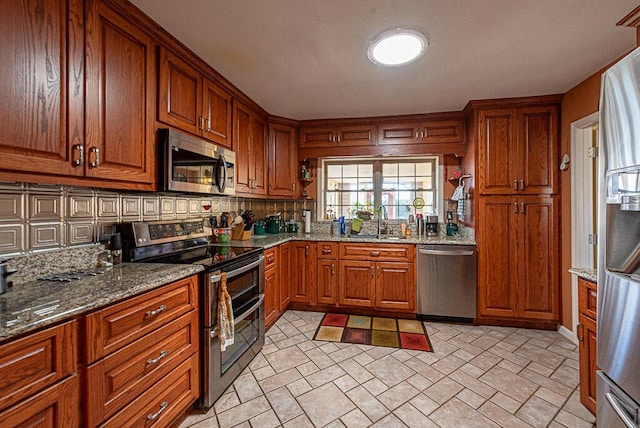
(590, 274)
(267, 241)
(30, 305)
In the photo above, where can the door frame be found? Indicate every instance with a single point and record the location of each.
(581, 255)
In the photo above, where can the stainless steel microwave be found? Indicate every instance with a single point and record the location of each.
(189, 164)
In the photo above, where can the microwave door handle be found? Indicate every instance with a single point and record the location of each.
(246, 268)
(222, 164)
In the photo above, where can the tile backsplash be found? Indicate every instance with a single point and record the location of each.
(36, 218)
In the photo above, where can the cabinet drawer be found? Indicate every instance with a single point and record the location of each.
(327, 250)
(271, 257)
(120, 324)
(56, 406)
(164, 401)
(34, 362)
(120, 377)
(587, 298)
(373, 252)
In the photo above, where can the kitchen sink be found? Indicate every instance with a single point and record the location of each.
(363, 236)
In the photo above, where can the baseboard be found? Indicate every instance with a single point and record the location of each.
(568, 334)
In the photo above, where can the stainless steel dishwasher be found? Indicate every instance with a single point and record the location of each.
(447, 282)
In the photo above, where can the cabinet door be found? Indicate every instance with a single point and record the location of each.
(587, 352)
(258, 155)
(285, 277)
(537, 146)
(395, 286)
(302, 272)
(357, 283)
(356, 135)
(120, 98)
(398, 133)
(537, 257)
(497, 152)
(242, 147)
(283, 160)
(442, 131)
(327, 283)
(497, 264)
(271, 295)
(42, 86)
(179, 93)
(217, 114)
(55, 407)
(318, 137)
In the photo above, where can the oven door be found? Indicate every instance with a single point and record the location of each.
(221, 368)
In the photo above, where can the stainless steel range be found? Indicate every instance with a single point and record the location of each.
(186, 241)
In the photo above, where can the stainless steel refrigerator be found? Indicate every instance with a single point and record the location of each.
(618, 331)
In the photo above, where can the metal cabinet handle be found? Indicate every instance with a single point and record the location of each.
(293, 187)
(80, 160)
(158, 358)
(96, 157)
(201, 123)
(417, 132)
(338, 138)
(157, 311)
(333, 269)
(207, 126)
(270, 259)
(515, 184)
(152, 416)
(580, 331)
(306, 251)
(325, 251)
(521, 184)
(614, 401)
(373, 271)
(375, 253)
(515, 207)
(378, 270)
(522, 209)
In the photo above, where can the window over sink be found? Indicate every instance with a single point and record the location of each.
(355, 187)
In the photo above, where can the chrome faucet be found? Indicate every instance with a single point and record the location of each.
(382, 210)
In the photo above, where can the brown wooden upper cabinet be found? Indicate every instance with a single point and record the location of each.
(424, 132)
(45, 128)
(190, 101)
(517, 150)
(333, 136)
(119, 131)
(250, 145)
(283, 160)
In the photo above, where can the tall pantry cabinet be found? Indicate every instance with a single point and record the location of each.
(515, 145)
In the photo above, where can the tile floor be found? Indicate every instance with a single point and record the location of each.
(478, 376)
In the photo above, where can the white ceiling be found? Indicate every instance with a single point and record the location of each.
(307, 59)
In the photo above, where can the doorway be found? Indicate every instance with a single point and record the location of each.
(584, 239)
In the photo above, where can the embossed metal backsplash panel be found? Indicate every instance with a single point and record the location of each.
(37, 218)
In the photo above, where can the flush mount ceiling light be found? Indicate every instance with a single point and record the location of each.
(397, 47)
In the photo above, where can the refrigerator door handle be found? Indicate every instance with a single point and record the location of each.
(617, 406)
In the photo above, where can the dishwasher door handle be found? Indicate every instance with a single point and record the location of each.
(447, 252)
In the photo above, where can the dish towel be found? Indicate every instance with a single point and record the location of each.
(225, 315)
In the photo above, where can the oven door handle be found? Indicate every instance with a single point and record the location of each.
(217, 277)
(246, 268)
(214, 332)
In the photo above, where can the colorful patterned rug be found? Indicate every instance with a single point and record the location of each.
(390, 332)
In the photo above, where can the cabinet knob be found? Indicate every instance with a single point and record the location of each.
(521, 184)
(515, 207)
(375, 253)
(522, 208)
(326, 251)
(580, 332)
(201, 123)
(207, 126)
(333, 269)
(306, 250)
(373, 271)
(515, 184)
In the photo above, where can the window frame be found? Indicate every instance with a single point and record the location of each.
(377, 163)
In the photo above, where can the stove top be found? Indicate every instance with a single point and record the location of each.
(210, 256)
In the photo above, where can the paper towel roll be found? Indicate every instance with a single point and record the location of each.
(307, 222)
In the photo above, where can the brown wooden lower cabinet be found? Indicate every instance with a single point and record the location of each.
(55, 407)
(302, 271)
(285, 277)
(271, 295)
(357, 283)
(327, 284)
(587, 292)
